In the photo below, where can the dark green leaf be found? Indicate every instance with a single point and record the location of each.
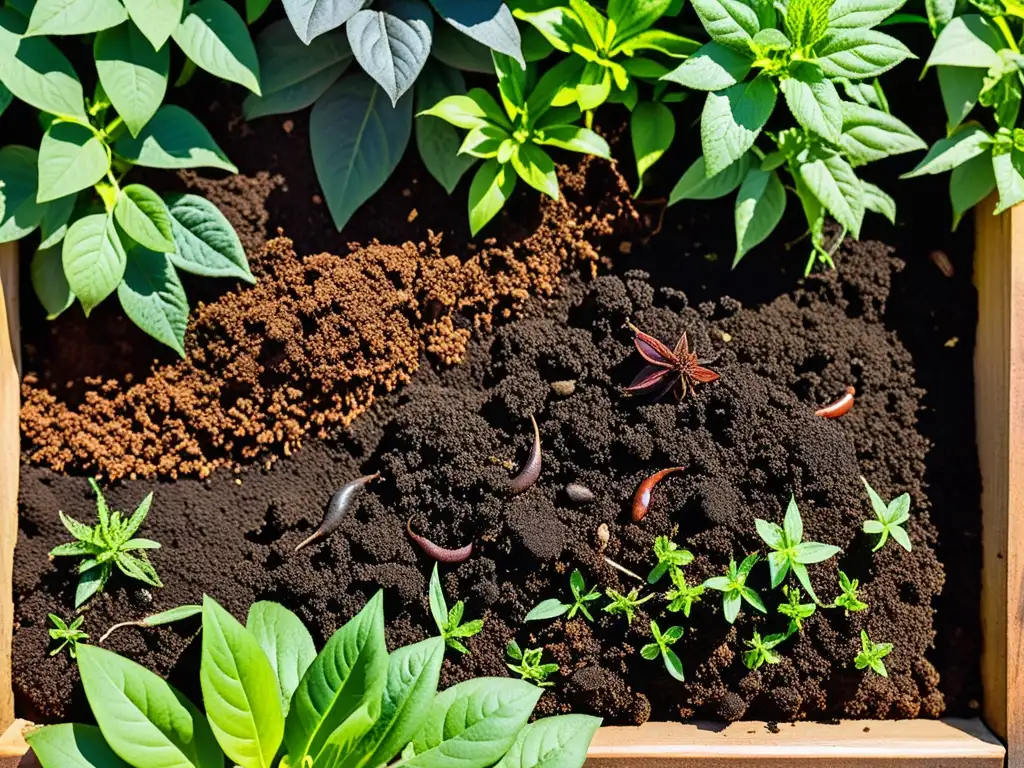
(205, 242)
(732, 120)
(174, 138)
(49, 283)
(133, 75)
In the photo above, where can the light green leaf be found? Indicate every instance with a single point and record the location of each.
(152, 296)
(806, 21)
(551, 608)
(732, 120)
(20, 214)
(730, 22)
(215, 37)
(695, 184)
(437, 141)
(492, 186)
(652, 128)
(536, 168)
(174, 138)
(74, 17)
(157, 19)
(205, 242)
(870, 134)
(55, 221)
(51, 287)
(632, 17)
(345, 738)
(858, 14)
(559, 25)
(94, 259)
(759, 207)
(814, 101)
(72, 746)
(286, 642)
(837, 187)
(967, 41)
(659, 40)
(144, 217)
(133, 75)
(553, 742)
(713, 67)
(970, 183)
(860, 53)
(573, 138)
(71, 158)
(1008, 168)
(876, 200)
(965, 142)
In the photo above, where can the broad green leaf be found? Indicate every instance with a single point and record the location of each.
(133, 75)
(174, 138)
(156, 19)
(573, 138)
(536, 168)
(732, 119)
(593, 21)
(94, 259)
(474, 723)
(967, 41)
(659, 40)
(54, 225)
(631, 17)
(551, 608)
(810, 552)
(143, 719)
(806, 21)
(349, 672)
(72, 746)
(453, 48)
(859, 53)
(488, 22)
(814, 101)
(152, 296)
(239, 688)
(837, 187)
(171, 615)
(144, 217)
(876, 200)
(960, 87)
(312, 18)
(392, 44)
(254, 9)
(473, 110)
(437, 141)
(730, 22)
(559, 25)
(347, 736)
(553, 742)
(652, 128)
(967, 141)
(969, 184)
(6, 97)
(286, 642)
(294, 75)
(215, 37)
(74, 17)
(1008, 168)
(492, 186)
(760, 204)
(695, 184)
(20, 214)
(770, 533)
(49, 283)
(870, 134)
(205, 242)
(71, 158)
(859, 14)
(713, 67)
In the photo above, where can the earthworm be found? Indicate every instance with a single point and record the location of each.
(837, 408)
(579, 493)
(531, 469)
(337, 508)
(642, 499)
(440, 554)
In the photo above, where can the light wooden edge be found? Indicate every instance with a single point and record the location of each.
(10, 457)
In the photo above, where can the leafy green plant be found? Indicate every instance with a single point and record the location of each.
(734, 589)
(529, 667)
(754, 52)
(625, 605)
(871, 655)
(269, 700)
(660, 647)
(123, 238)
(169, 616)
(68, 636)
(510, 138)
(762, 651)
(449, 622)
(682, 596)
(789, 551)
(553, 607)
(794, 610)
(848, 599)
(108, 543)
(890, 518)
(670, 558)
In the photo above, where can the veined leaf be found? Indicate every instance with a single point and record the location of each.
(860, 14)
(488, 22)
(312, 18)
(74, 17)
(759, 207)
(215, 37)
(652, 128)
(960, 87)
(966, 142)
(814, 101)
(732, 120)
(94, 259)
(47, 274)
(806, 21)
(967, 41)
(72, 746)
(153, 297)
(346, 736)
(205, 242)
(1008, 168)
(870, 134)
(695, 184)
(631, 17)
(713, 67)
(144, 217)
(969, 184)
(392, 44)
(156, 19)
(730, 22)
(837, 187)
(20, 214)
(133, 75)
(71, 158)
(876, 200)
(553, 742)
(174, 138)
(437, 141)
(536, 168)
(492, 186)
(286, 642)
(860, 53)
(55, 221)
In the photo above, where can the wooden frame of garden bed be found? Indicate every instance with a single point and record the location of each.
(999, 405)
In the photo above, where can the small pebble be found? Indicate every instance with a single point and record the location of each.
(941, 260)
(625, 247)
(563, 388)
(952, 342)
(579, 493)
(603, 535)
(726, 337)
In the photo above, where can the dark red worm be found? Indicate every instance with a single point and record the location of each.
(531, 469)
(839, 407)
(440, 554)
(642, 499)
(337, 508)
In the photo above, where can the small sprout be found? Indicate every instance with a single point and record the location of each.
(529, 667)
(790, 552)
(660, 647)
(682, 596)
(106, 544)
(762, 650)
(890, 520)
(625, 604)
(848, 599)
(670, 558)
(871, 655)
(68, 636)
(157, 619)
(795, 610)
(449, 622)
(734, 589)
(553, 608)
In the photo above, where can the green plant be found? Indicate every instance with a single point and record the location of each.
(755, 52)
(795, 610)
(848, 599)
(269, 700)
(734, 589)
(660, 647)
(789, 551)
(510, 138)
(762, 650)
(553, 607)
(169, 616)
(682, 596)
(625, 605)
(890, 518)
(69, 636)
(670, 558)
(106, 544)
(871, 655)
(449, 622)
(121, 238)
(529, 667)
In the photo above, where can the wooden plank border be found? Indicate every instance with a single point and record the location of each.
(10, 460)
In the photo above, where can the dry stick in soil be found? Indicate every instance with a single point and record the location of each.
(531, 469)
(838, 407)
(337, 508)
(439, 553)
(642, 499)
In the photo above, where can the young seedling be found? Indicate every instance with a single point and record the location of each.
(795, 610)
(660, 647)
(553, 607)
(68, 636)
(157, 619)
(682, 596)
(790, 552)
(871, 655)
(449, 623)
(734, 589)
(890, 520)
(529, 666)
(625, 604)
(762, 650)
(670, 558)
(107, 544)
(848, 600)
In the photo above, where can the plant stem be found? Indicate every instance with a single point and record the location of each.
(1005, 29)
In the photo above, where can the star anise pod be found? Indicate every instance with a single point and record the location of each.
(667, 367)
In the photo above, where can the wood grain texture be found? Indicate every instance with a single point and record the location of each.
(10, 383)
(999, 408)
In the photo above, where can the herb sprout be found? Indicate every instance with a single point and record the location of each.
(69, 637)
(790, 552)
(157, 619)
(762, 650)
(871, 655)
(670, 558)
(890, 520)
(682, 596)
(848, 599)
(795, 610)
(529, 667)
(660, 647)
(734, 589)
(449, 623)
(107, 544)
(625, 604)
(553, 607)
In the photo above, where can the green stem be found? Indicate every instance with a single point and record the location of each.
(112, 126)
(1005, 29)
